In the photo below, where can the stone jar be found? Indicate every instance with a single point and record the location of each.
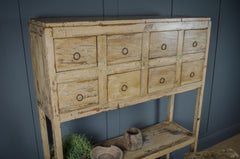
(132, 139)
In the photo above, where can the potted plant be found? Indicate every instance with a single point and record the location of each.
(75, 146)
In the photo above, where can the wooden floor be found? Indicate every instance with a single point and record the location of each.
(233, 143)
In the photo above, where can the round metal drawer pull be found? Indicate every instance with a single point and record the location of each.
(124, 51)
(76, 56)
(164, 46)
(192, 74)
(124, 87)
(162, 80)
(194, 44)
(79, 97)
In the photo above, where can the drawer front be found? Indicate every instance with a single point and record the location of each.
(75, 53)
(124, 48)
(161, 78)
(194, 41)
(124, 85)
(163, 44)
(192, 71)
(78, 93)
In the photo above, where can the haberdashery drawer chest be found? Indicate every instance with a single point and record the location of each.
(83, 67)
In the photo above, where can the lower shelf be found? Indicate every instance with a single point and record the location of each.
(158, 140)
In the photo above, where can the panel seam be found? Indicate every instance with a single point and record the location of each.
(118, 7)
(103, 9)
(26, 66)
(214, 65)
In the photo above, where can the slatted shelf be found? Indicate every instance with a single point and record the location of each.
(158, 140)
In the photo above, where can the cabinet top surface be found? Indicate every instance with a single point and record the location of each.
(78, 21)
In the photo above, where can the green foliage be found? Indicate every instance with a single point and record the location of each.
(51, 147)
(76, 147)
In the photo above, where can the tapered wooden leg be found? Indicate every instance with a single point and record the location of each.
(198, 108)
(170, 107)
(57, 139)
(168, 156)
(197, 116)
(44, 134)
(170, 113)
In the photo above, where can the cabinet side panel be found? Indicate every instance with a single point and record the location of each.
(40, 73)
(51, 69)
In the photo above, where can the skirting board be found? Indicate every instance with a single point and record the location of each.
(207, 141)
(218, 136)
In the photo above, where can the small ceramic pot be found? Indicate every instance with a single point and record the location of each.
(112, 152)
(132, 139)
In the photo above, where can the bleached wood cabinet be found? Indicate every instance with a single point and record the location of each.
(86, 67)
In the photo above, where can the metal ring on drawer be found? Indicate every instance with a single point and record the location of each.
(192, 74)
(76, 56)
(124, 51)
(164, 46)
(124, 87)
(79, 97)
(194, 44)
(162, 80)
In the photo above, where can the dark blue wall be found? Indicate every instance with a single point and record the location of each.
(20, 134)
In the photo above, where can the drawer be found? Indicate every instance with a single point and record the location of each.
(78, 93)
(163, 44)
(192, 71)
(124, 48)
(124, 85)
(161, 78)
(194, 41)
(75, 53)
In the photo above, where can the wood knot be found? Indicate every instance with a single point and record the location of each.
(148, 27)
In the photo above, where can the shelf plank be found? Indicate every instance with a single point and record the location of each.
(158, 140)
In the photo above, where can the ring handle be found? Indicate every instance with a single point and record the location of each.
(162, 80)
(125, 51)
(195, 44)
(124, 87)
(192, 74)
(164, 46)
(79, 97)
(76, 56)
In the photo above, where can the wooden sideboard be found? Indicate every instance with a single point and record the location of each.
(83, 67)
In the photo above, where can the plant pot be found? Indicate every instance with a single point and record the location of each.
(132, 139)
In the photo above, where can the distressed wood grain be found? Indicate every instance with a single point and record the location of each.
(82, 68)
(163, 44)
(75, 53)
(161, 78)
(158, 140)
(194, 41)
(123, 86)
(124, 48)
(78, 93)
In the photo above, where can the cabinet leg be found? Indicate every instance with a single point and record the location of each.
(168, 156)
(170, 113)
(44, 133)
(170, 107)
(57, 139)
(197, 116)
